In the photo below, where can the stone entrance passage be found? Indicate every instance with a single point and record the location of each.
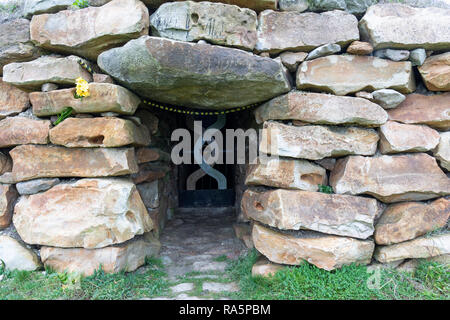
(195, 239)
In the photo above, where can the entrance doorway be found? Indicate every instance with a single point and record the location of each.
(206, 186)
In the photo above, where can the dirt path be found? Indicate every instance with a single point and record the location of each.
(196, 246)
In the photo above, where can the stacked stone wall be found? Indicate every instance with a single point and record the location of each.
(354, 96)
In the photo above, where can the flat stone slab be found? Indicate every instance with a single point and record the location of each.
(316, 142)
(33, 74)
(324, 251)
(294, 31)
(409, 220)
(182, 287)
(89, 213)
(208, 77)
(104, 97)
(409, 177)
(8, 196)
(35, 186)
(287, 173)
(398, 137)
(99, 132)
(16, 256)
(423, 247)
(15, 43)
(257, 5)
(126, 257)
(216, 23)
(12, 100)
(263, 267)
(220, 287)
(435, 72)
(327, 213)
(400, 26)
(21, 130)
(433, 111)
(33, 161)
(442, 152)
(344, 74)
(107, 27)
(321, 108)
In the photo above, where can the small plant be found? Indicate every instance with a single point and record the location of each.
(325, 189)
(82, 89)
(63, 115)
(81, 4)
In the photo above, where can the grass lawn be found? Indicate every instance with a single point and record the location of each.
(306, 282)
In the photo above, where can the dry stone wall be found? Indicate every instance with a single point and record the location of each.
(354, 95)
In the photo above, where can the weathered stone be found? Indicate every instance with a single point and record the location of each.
(392, 54)
(322, 109)
(32, 162)
(104, 97)
(15, 43)
(322, 51)
(21, 130)
(409, 220)
(287, 173)
(327, 213)
(257, 5)
(418, 56)
(5, 163)
(388, 98)
(33, 74)
(423, 3)
(149, 172)
(99, 132)
(435, 71)
(423, 247)
(353, 6)
(442, 152)
(34, 7)
(360, 48)
(293, 5)
(408, 177)
(216, 23)
(16, 256)
(35, 186)
(433, 111)
(145, 155)
(210, 77)
(365, 95)
(324, 251)
(12, 100)
(291, 60)
(89, 213)
(294, 31)
(107, 27)
(102, 78)
(397, 137)
(151, 193)
(316, 142)
(327, 163)
(8, 196)
(127, 256)
(264, 268)
(346, 74)
(399, 26)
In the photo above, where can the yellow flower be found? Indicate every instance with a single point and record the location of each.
(82, 88)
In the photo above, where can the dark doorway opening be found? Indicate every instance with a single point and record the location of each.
(198, 189)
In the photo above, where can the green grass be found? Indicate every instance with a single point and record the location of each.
(307, 282)
(38, 285)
